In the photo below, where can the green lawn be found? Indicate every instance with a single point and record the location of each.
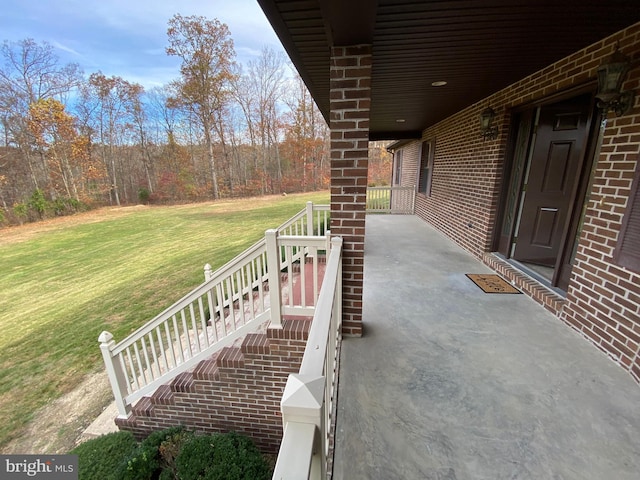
(111, 270)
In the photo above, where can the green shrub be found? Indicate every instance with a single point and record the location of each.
(144, 195)
(21, 211)
(103, 457)
(221, 457)
(63, 206)
(146, 462)
(169, 450)
(171, 454)
(38, 203)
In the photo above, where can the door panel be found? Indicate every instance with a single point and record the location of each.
(545, 225)
(557, 173)
(552, 181)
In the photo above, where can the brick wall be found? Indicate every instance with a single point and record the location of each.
(603, 299)
(239, 389)
(465, 180)
(350, 102)
(410, 165)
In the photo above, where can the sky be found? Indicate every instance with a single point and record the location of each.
(127, 38)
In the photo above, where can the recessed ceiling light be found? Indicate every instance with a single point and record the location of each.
(440, 83)
(400, 120)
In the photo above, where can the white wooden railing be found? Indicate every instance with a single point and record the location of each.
(397, 200)
(313, 220)
(309, 396)
(234, 300)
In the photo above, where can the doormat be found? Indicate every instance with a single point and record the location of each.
(492, 283)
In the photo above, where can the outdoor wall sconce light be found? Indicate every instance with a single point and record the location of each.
(611, 75)
(487, 129)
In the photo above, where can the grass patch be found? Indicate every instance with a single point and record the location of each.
(61, 286)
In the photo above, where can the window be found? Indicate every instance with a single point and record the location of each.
(397, 174)
(627, 252)
(426, 167)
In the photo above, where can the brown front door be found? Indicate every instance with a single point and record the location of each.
(552, 181)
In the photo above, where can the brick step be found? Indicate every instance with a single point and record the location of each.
(143, 407)
(207, 370)
(238, 388)
(162, 396)
(255, 344)
(231, 357)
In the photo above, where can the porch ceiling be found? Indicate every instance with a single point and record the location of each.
(477, 47)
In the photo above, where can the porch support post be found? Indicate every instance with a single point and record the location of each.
(349, 121)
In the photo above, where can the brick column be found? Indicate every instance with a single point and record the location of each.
(349, 122)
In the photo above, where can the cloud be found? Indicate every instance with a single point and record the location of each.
(64, 48)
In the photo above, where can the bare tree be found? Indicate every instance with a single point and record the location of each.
(139, 116)
(30, 72)
(206, 51)
(261, 91)
(307, 135)
(113, 101)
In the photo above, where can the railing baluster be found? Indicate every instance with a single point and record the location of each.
(194, 325)
(316, 280)
(186, 334)
(235, 298)
(228, 282)
(260, 281)
(203, 323)
(154, 354)
(241, 292)
(289, 263)
(247, 274)
(139, 371)
(223, 319)
(132, 370)
(178, 339)
(251, 287)
(146, 368)
(212, 315)
(163, 352)
(125, 373)
(303, 281)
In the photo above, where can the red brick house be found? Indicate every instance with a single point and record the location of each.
(547, 194)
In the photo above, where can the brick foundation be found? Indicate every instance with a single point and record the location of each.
(546, 297)
(238, 389)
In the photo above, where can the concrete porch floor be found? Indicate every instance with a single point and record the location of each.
(450, 383)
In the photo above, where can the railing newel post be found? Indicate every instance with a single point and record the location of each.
(208, 271)
(302, 403)
(115, 373)
(310, 218)
(273, 273)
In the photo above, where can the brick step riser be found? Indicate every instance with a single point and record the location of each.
(239, 389)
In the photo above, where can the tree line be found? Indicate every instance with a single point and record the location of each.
(221, 129)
